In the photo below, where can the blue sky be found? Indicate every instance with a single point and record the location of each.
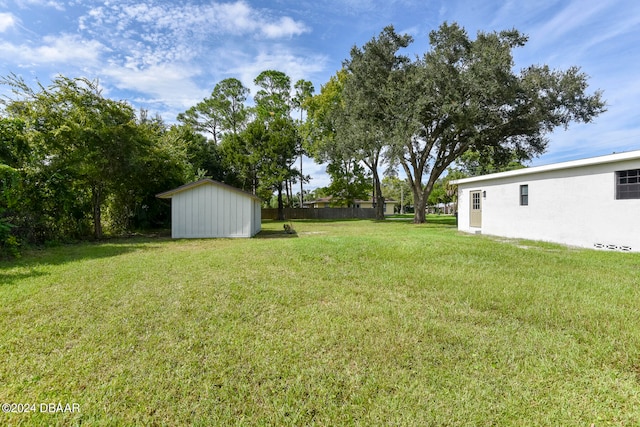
(166, 56)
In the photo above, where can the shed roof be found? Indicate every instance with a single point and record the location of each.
(206, 181)
(610, 158)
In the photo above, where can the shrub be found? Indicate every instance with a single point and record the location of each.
(9, 244)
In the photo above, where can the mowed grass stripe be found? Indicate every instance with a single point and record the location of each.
(349, 323)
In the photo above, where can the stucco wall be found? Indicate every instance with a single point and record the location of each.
(213, 211)
(575, 206)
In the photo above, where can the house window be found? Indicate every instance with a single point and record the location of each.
(628, 184)
(524, 195)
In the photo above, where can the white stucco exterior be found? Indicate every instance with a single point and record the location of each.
(573, 203)
(208, 208)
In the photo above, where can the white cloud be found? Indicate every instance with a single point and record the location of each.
(58, 5)
(240, 18)
(54, 50)
(575, 16)
(192, 21)
(163, 84)
(151, 34)
(7, 20)
(278, 58)
(284, 28)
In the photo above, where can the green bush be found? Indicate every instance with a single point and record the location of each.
(9, 244)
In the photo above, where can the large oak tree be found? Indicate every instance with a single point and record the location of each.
(462, 95)
(365, 129)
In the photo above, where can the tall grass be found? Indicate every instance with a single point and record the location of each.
(344, 323)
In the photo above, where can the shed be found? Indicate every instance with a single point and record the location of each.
(591, 203)
(208, 208)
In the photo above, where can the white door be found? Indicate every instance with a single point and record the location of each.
(475, 209)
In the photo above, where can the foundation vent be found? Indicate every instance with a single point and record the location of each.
(612, 247)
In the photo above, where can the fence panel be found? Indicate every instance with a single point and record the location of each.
(320, 213)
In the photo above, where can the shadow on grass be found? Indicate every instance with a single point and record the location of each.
(11, 278)
(31, 263)
(295, 220)
(445, 221)
(275, 234)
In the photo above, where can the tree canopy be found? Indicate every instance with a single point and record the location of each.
(364, 129)
(461, 96)
(78, 154)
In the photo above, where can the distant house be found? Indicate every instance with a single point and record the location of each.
(441, 208)
(322, 202)
(209, 208)
(325, 202)
(591, 203)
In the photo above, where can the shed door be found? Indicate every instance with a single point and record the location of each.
(475, 209)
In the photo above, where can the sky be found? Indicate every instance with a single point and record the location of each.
(165, 56)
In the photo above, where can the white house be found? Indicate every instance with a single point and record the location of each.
(591, 203)
(209, 208)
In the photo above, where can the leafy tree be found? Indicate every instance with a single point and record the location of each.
(221, 113)
(471, 100)
(275, 138)
(273, 99)
(399, 190)
(365, 129)
(232, 95)
(324, 111)
(160, 165)
(241, 156)
(277, 158)
(490, 160)
(303, 92)
(349, 182)
(86, 155)
(451, 190)
(78, 132)
(14, 149)
(318, 193)
(203, 155)
(8, 242)
(437, 195)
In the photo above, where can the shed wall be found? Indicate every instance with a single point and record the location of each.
(572, 206)
(213, 211)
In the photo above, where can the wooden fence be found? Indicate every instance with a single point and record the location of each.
(321, 213)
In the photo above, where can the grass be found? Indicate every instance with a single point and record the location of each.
(344, 323)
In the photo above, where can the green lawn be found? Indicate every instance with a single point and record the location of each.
(346, 323)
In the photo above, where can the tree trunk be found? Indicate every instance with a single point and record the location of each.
(280, 204)
(301, 180)
(420, 206)
(420, 201)
(96, 199)
(380, 207)
(287, 185)
(379, 198)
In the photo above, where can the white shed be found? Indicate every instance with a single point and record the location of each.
(209, 208)
(591, 203)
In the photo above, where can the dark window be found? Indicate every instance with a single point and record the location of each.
(628, 184)
(524, 195)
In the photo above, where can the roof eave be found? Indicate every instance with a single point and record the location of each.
(599, 160)
(169, 194)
